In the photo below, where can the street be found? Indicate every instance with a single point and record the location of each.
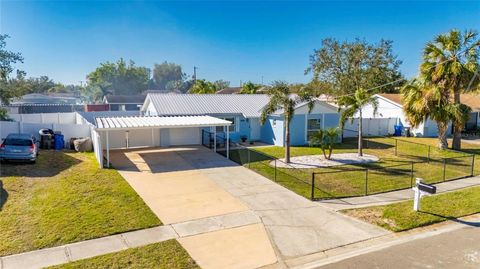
(456, 249)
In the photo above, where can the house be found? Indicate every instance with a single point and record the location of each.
(243, 111)
(390, 106)
(124, 102)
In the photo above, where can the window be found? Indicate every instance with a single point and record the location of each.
(313, 125)
(231, 128)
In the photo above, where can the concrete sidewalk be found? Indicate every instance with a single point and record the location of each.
(395, 196)
(246, 223)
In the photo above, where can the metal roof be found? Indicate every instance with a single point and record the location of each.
(249, 105)
(144, 122)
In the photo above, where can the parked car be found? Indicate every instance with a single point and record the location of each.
(19, 147)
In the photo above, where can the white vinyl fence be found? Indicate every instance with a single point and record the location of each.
(97, 146)
(371, 127)
(68, 130)
(58, 118)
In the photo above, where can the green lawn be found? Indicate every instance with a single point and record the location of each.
(401, 216)
(392, 172)
(164, 255)
(63, 198)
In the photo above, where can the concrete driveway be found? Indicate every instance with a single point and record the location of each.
(230, 216)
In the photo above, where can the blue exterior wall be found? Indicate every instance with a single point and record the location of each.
(297, 130)
(272, 133)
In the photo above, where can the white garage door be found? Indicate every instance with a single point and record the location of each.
(180, 136)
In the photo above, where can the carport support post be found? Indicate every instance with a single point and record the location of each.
(215, 139)
(228, 143)
(108, 150)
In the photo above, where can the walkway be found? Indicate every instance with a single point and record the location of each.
(395, 196)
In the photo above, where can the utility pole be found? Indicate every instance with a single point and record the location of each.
(194, 74)
(262, 80)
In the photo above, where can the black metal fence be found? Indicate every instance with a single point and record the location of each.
(412, 160)
(345, 182)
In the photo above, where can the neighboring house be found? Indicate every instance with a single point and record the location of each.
(124, 102)
(244, 111)
(54, 98)
(391, 106)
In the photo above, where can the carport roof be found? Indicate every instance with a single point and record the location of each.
(143, 122)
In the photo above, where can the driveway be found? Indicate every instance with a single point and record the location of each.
(224, 210)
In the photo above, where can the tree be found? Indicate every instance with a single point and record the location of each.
(221, 84)
(424, 100)
(202, 86)
(325, 139)
(8, 85)
(120, 78)
(167, 73)
(350, 104)
(281, 98)
(250, 88)
(348, 66)
(451, 61)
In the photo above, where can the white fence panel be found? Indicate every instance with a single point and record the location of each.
(8, 127)
(59, 118)
(68, 130)
(97, 146)
(371, 127)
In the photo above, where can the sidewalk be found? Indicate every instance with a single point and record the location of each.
(114, 243)
(395, 196)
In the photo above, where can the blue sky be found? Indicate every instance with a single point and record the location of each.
(227, 40)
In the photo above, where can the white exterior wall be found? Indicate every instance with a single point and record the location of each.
(386, 109)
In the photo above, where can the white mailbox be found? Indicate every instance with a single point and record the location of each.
(420, 190)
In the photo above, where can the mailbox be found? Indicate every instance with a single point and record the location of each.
(420, 190)
(430, 189)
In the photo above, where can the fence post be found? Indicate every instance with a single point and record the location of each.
(275, 177)
(411, 176)
(366, 182)
(444, 168)
(396, 146)
(312, 195)
(248, 159)
(473, 165)
(428, 157)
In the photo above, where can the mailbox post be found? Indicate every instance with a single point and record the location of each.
(420, 190)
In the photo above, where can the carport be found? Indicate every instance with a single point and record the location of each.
(177, 130)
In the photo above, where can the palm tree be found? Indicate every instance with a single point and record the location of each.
(325, 139)
(282, 99)
(349, 105)
(202, 86)
(423, 100)
(249, 88)
(451, 61)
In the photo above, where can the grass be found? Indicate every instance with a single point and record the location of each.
(391, 172)
(163, 255)
(401, 216)
(65, 197)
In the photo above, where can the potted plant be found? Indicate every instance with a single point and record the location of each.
(243, 138)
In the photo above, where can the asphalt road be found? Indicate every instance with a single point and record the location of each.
(456, 249)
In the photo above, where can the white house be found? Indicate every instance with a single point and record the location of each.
(390, 106)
